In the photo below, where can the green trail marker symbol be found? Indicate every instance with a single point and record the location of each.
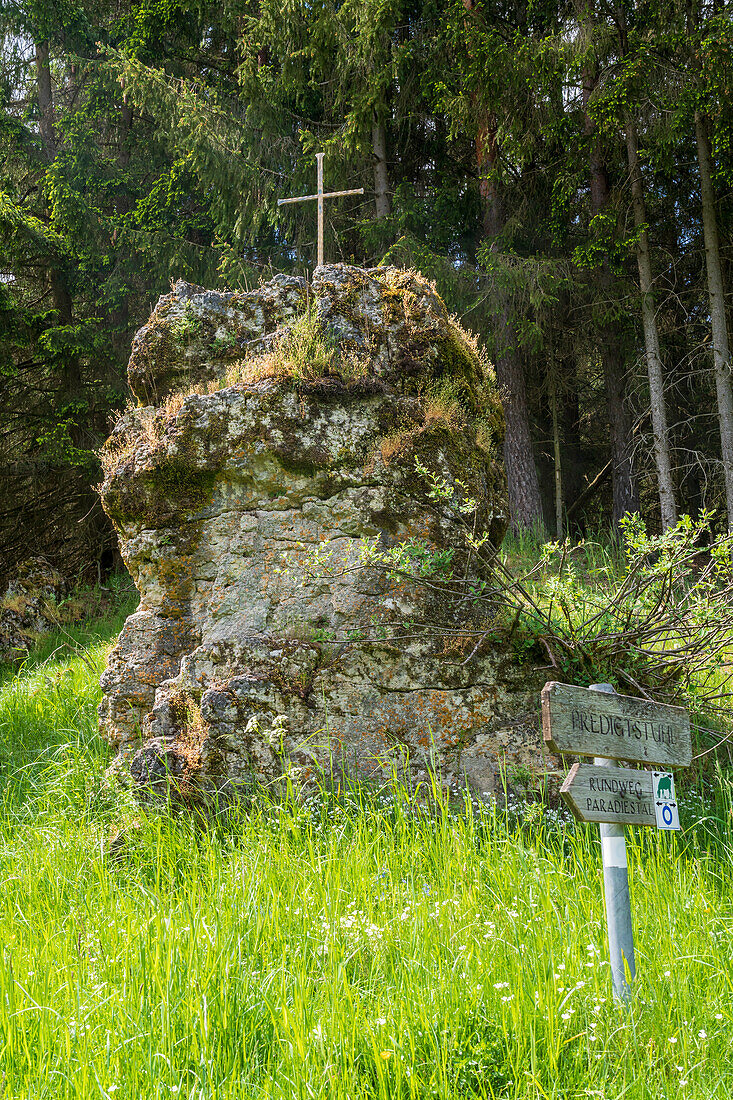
(665, 802)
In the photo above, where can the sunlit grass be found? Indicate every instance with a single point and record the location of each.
(348, 945)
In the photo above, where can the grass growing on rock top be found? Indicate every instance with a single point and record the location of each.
(347, 945)
(301, 352)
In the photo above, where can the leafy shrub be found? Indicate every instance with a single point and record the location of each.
(663, 621)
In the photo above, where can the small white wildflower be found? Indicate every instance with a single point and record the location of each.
(501, 985)
(673, 1038)
(668, 973)
(380, 1021)
(566, 1015)
(718, 1015)
(561, 966)
(702, 1034)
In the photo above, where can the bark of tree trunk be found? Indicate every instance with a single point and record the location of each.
(381, 169)
(119, 315)
(716, 294)
(624, 482)
(660, 432)
(45, 99)
(70, 382)
(572, 475)
(123, 155)
(556, 456)
(525, 501)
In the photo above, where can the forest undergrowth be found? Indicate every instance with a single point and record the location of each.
(345, 943)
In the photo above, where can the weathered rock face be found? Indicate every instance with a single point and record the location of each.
(331, 425)
(28, 607)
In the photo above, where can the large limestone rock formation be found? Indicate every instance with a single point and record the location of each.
(298, 456)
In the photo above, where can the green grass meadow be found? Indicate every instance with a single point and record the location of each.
(347, 944)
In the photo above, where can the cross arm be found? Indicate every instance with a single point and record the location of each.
(338, 194)
(300, 198)
(326, 195)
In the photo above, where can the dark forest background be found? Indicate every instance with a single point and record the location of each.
(563, 171)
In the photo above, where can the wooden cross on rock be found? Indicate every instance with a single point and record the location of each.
(319, 196)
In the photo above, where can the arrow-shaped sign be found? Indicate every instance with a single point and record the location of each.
(621, 795)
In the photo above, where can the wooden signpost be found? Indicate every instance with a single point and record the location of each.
(618, 727)
(598, 722)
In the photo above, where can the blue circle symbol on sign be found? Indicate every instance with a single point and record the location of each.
(666, 815)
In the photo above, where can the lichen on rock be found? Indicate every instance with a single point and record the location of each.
(245, 488)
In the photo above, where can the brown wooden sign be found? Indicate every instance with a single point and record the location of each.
(620, 727)
(615, 795)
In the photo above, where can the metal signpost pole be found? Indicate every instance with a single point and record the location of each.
(599, 722)
(616, 889)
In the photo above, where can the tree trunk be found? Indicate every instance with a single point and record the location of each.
(381, 171)
(662, 452)
(70, 382)
(45, 99)
(119, 316)
(573, 465)
(721, 348)
(525, 502)
(123, 154)
(556, 455)
(624, 482)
